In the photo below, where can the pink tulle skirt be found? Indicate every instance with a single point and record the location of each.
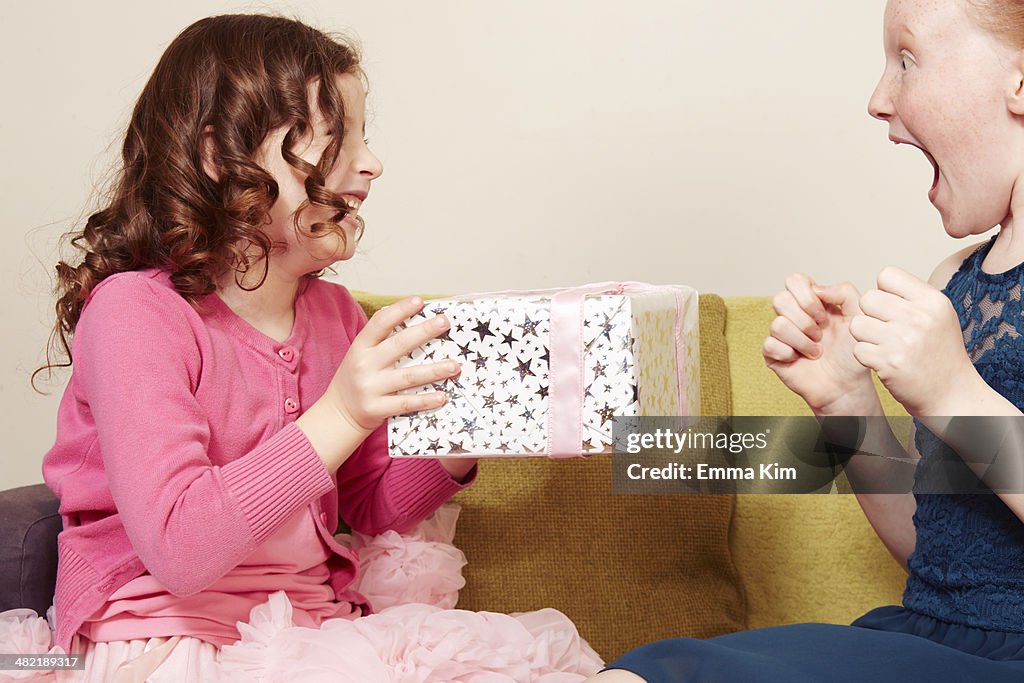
(415, 636)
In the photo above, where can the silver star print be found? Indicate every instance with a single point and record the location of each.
(529, 326)
(524, 369)
(483, 329)
(470, 427)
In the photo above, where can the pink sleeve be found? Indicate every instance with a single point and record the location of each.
(376, 492)
(137, 362)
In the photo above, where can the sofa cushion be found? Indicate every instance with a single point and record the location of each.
(627, 569)
(29, 524)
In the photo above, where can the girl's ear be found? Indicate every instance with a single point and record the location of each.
(1015, 98)
(208, 154)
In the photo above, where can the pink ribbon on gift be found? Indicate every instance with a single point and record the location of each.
(565, 366)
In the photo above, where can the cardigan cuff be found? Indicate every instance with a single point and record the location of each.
(420, 485)
(275, 479)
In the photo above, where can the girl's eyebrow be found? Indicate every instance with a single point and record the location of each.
(901, 36)
(350, 120)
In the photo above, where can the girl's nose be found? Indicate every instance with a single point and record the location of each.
(880, 104)
(369, 165)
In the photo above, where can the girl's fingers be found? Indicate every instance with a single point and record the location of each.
(784, 330)
(844, 296)
(773, 349)
(882, 305)
(401, 404)
(404, 342)
(386, 320)
(900, 283)
(867, 354)
(419, 375)
(801, 287)
(866, 329)
(786, 306)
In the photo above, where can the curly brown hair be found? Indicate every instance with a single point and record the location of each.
(241, 76)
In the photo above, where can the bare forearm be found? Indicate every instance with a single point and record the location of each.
(883, 464)
(879, 463)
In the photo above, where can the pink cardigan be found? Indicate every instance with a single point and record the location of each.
(177, 452)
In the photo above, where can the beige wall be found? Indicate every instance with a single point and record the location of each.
(526, 144)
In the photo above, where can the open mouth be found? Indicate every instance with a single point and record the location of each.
(935, 168)
(931, 160)
(352, 205)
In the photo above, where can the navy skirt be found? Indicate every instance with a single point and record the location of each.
(886, 644)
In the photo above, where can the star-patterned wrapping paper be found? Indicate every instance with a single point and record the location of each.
(498, 406)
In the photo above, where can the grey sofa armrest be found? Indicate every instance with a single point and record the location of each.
(29, 524)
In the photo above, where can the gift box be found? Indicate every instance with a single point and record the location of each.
(544, 372)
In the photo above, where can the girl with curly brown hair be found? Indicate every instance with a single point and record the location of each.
(225, 404)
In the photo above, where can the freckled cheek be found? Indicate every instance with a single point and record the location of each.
(932, 122)
(976, 150)
(913, 110)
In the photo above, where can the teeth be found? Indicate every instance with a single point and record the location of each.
(353, 203)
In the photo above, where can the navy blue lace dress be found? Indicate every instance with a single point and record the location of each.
(962, 617)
